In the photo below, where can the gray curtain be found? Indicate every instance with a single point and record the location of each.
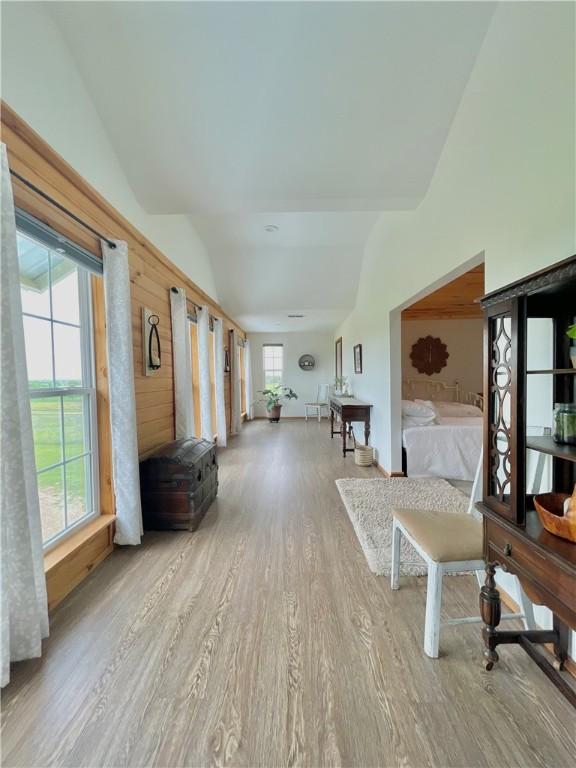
(236, 385)
(182, 363)
(204, 374)
(122, 394)
(23, 602)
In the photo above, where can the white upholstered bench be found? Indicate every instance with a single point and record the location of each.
(448, 542)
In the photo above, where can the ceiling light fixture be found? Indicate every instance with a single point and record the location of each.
(295, 315)
(271, 228)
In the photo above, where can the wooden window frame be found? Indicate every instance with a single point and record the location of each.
(74, 556)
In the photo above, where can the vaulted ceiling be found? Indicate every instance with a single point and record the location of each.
(310, 118)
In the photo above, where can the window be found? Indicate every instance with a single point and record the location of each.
(195, 354)
(273, 364)
(56, 307)
(193, 326)
(243, 405)
(212, 352)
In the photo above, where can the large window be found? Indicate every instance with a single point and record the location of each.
(273, 364)
(212, 352)
(56, 306)
(194, 349)
(193, 328)
(243, 404)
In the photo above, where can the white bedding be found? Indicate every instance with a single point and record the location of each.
(449, 449)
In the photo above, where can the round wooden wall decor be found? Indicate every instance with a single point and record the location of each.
(429, 355)
(307, 362)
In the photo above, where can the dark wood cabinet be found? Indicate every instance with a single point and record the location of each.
(527, 371)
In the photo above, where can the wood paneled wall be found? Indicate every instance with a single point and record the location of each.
(152, 274)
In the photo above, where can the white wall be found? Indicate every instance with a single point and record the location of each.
(504, 186)
(304, 383)
(41, 83)
(463, 339)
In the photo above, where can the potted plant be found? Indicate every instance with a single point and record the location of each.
(571, 333)
(273, 397)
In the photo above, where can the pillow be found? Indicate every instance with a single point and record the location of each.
(461, 410)
(417, 421)
(423, 410)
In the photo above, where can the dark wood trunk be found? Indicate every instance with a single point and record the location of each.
(178, 483)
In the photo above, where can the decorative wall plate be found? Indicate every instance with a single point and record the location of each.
(307, 362)
(429, 355)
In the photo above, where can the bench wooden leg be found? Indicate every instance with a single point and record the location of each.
(395, 564)
(433, 606)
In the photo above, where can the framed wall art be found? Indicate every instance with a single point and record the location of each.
(358, 358)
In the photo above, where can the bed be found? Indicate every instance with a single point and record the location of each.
(441, 430)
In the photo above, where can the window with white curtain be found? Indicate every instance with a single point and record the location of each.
(56, 307)
(273, 364)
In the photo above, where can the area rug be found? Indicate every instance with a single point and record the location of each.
(369, 504)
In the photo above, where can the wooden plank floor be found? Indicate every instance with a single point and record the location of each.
(264, 640)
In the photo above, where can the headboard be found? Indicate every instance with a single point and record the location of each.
(439, 391)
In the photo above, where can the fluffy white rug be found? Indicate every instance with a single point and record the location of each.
(369, 504)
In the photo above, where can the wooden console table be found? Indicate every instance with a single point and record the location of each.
(349, 409)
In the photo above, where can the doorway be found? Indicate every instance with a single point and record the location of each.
(436, 347)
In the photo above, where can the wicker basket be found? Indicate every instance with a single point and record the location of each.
(363, 455)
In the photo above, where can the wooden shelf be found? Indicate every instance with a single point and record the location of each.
(547, 445)
(556, 371)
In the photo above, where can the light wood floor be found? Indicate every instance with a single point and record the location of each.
(264, 640)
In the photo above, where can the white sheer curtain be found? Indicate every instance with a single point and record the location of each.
(182, 362)
(23, 602)
(236, 384)
(221, 426)
(204, 374)
(122, 394)
(248, 380)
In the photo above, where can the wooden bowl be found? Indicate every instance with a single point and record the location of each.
(550, 508)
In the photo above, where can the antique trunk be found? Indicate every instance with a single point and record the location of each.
(178, 483)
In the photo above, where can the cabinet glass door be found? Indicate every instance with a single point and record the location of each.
(501, 429)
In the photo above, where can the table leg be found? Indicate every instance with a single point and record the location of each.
(561, 645)
(331, 423)
(343, 429)
(366, 432)
(490, 610)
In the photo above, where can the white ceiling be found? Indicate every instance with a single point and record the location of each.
(314, 117)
